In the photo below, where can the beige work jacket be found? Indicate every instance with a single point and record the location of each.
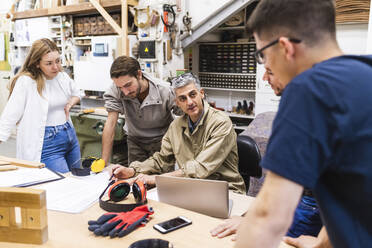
(210, 152)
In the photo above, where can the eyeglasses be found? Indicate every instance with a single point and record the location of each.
(260, 58)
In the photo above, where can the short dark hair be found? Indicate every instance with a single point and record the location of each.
(123, 66)
(308, 20)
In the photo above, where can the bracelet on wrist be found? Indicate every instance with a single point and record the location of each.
(134, 171)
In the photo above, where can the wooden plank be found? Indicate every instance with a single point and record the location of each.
(8, 167)
(22, 197)
(124, 26)
(81, 8)
(22, 163)
(30, 14)
(352, 11)
(26, 236)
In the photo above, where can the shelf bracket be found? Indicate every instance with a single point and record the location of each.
(122, 31)
(106, 15)
(214, 20)
(124, 26)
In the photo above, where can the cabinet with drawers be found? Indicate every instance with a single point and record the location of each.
(227, 73)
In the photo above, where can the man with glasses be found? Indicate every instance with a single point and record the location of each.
(322, 134)
(306, 220)
(147, 104)
(202, 142)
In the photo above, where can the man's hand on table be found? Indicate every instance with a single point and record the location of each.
(121, 172)
(322, 241)
(303, 241)
(229, 227)
(147, 179)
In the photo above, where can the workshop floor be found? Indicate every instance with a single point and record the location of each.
(8, 148)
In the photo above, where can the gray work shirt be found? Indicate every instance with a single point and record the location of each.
(150, 120)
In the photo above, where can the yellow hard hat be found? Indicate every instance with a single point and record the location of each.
(98, 165)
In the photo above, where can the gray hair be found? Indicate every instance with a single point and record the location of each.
(185, 79)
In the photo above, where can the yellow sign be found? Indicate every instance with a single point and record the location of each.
(146, 50)
(4, 65)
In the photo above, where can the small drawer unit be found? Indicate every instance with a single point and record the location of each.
(227, 58)
(228, 80)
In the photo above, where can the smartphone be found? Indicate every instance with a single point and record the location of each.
(172, 224)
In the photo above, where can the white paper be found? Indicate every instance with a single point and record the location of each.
(153, 194)
(25, 175)
(74, 194)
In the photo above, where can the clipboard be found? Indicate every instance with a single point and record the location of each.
(58, 177)
(26, 177)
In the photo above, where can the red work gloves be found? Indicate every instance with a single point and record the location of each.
(120, 224)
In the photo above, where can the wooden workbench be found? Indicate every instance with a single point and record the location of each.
(71, 230)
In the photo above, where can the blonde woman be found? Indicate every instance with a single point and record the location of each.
(41, 96)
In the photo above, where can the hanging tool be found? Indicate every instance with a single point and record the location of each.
(168, 13)
(169, 50)
(164, 19)
(154, 18)
(164, 53)
(142, 24)
(187, 22)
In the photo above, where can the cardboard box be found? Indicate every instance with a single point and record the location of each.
(100, 20)
(94, 29)
(93, 20)
(86, 30)
(108, 29)
(101, 29)
(116, 18)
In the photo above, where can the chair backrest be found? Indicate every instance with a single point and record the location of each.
(249, 158)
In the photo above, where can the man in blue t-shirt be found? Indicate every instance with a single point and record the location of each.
(306, 220)
(322, 134)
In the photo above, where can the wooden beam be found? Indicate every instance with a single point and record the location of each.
(81, 8)
(30, 14)
(8, 167)
(124, 26)
(107, 16)
(20, 162)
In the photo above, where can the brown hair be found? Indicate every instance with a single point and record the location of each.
(30, 67)
(311, 21)
(123, 66)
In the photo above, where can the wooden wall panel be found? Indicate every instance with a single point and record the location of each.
(352, 11)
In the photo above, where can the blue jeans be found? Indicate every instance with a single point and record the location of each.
(61, 150)
(306, 219)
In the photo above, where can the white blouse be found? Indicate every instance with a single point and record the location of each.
(27, 110)
(56, 103)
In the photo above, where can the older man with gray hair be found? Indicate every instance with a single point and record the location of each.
(202, 142)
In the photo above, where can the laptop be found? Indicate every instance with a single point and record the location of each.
(209, 197)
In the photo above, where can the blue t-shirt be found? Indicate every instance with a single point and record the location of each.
(322, 139)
